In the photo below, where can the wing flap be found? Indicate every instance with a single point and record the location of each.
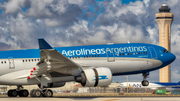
(52, 60)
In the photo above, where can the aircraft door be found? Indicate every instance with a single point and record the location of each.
(110, 56)
(11, 63)
(153, 52)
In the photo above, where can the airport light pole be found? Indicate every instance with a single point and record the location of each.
(127, 83)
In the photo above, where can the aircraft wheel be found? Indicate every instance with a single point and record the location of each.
(32, 93)
(48, 93)
(145, 83)
(37, 93)
(9, 93)
(13, 93)
(23, 93)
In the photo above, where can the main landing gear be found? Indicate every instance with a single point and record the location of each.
(16, 92)
(39, 93)
(33, 93)
(145, 82)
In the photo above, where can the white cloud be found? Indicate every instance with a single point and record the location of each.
(78, 27)
(14, 6)
(77, 2)
(51, 23)
(38, 8)
(111, 29)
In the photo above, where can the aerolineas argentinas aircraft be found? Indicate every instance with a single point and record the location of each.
(92, 65)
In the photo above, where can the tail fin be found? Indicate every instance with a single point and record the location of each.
(43, 44)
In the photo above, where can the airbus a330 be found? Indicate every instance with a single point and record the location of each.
(92, 65)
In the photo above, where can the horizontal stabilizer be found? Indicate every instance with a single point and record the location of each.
(43, 44)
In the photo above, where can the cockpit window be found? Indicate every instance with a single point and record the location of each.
(165, 51)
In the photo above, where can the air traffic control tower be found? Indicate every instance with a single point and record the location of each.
(164, 19)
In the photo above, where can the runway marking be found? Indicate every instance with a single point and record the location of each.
(112, 99)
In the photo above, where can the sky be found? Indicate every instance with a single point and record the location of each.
(87, 22)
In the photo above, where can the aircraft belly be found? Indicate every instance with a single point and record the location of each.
(121, 65)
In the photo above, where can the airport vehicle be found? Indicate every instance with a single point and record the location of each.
(92, 65)
(152, 85)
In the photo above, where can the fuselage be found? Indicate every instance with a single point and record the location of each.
(122, 59)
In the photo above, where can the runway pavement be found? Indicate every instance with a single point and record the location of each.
(94, 99)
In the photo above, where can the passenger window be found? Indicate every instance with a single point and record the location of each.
(128, 53)
(98, 55)
(26, 60)
(131, 53)
(22, 60)
(84, 56)
(78, 56)
(92, 55)
(4, 61)
(125, 53)
(134, 53)
(34, 59)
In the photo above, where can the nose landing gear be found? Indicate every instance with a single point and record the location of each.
(145, 82)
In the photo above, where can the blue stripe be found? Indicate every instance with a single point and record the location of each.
(35, 53)
(26, 53)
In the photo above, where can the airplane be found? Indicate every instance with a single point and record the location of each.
(91, 65)
(153, 85)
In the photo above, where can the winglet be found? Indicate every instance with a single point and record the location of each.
(43, 44)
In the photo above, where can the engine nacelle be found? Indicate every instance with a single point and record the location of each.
(54, 85)
(100, 76)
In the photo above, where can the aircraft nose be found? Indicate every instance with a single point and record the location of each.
(171, 57)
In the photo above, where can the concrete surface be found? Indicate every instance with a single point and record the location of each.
(94, 99)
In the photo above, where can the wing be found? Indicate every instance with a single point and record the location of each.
(51, 60)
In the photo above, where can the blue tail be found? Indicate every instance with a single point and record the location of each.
(43, 44)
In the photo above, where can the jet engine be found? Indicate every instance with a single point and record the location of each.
(93, 77)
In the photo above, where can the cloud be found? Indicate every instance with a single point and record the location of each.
(13, 6)
(51, 23)
(83, 22)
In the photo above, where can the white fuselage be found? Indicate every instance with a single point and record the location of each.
(22, 68)
(138, 85)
